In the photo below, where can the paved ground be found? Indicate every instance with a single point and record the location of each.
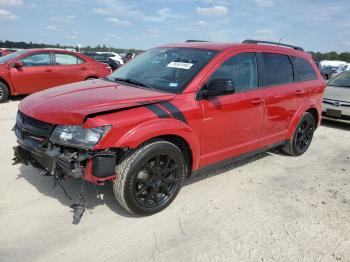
(272, 207)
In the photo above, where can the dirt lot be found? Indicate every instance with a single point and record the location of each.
(272, 207)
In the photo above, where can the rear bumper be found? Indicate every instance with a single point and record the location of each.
(95, 167)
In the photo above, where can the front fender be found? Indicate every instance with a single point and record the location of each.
(155, 128)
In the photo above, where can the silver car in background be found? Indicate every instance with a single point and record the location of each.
(336, 101)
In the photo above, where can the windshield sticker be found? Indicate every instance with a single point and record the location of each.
(173, 84)
(180, 65)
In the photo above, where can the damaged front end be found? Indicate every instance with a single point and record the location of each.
(59, 151)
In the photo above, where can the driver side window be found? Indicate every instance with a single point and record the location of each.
(241, 69)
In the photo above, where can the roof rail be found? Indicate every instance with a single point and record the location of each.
(194, 41)
(250, 41)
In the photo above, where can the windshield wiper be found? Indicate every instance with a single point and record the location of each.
(131, 81)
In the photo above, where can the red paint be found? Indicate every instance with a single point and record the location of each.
(89, 176)
(218, 128)
(31, 79)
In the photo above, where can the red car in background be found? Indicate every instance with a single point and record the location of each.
(32, 70)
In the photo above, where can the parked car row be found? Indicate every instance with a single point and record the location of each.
(114, 60)
(31, 70)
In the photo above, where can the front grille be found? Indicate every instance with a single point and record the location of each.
(31, 130)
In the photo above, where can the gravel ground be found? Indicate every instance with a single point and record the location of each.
(271, 207)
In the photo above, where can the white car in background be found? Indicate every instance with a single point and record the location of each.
(336, 101)
(114, 56)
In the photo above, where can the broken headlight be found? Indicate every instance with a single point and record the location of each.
(77, 136)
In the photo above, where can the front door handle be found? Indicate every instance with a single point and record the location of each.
(48, 70)
(300, 92)
(257, 101)
(83, 68)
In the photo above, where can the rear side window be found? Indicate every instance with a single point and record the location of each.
(38, 59)
(303, 69)
(277, 69)
(67, 59)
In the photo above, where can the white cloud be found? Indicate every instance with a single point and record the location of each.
(200, 23)
(152, 32)
(118, 21)
(51, 27)
(63, 19)
(71, 36)
(264, 3)
(4, 14)
(266, 31)
(162, 14)
(212, 11)
(11, 2)
(101, 11)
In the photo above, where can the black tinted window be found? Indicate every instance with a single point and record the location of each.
(303, 69)
(241, 69)
(277, 70)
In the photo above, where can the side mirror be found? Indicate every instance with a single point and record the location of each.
(218, 87)
(18, 65)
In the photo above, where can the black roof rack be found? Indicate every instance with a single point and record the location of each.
(193, 41)
(249, 41)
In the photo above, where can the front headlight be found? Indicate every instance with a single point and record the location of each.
(76, 136)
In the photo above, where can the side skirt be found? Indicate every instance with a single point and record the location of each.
(237, 158)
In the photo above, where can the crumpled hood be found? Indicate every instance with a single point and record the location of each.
(70, 104)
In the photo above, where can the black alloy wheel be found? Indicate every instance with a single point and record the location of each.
(156, 182)
(304, 135)
(149, 179)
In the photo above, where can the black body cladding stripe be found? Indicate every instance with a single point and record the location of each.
(175, 112)
(161, 113)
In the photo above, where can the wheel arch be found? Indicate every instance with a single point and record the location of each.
(170, 130)
(91, 77)
(311, 107)
(7, 85)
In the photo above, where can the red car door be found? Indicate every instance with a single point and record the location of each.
(34, 75)
(283, 97)
(231, 123)
(68, 68)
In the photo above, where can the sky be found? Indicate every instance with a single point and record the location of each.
(316, 25)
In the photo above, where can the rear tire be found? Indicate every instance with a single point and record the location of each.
(302, 137)
(150, 178)
(4, 92)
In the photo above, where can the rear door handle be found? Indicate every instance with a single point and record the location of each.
(300, 92)
(83, 68)
(257, 101)
(48, 70)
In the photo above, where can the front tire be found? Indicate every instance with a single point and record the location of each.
(4, 93)
(150, 178)
(302, 137)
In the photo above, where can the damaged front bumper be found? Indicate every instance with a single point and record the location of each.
(35, 149)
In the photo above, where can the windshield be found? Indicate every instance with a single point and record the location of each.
(166, 69)
(11, 56)
(342, 80)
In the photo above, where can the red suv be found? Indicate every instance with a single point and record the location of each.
(171, 112)
(32, 70)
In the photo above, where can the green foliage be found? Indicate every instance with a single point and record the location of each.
(98, 48)
(331, 56)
